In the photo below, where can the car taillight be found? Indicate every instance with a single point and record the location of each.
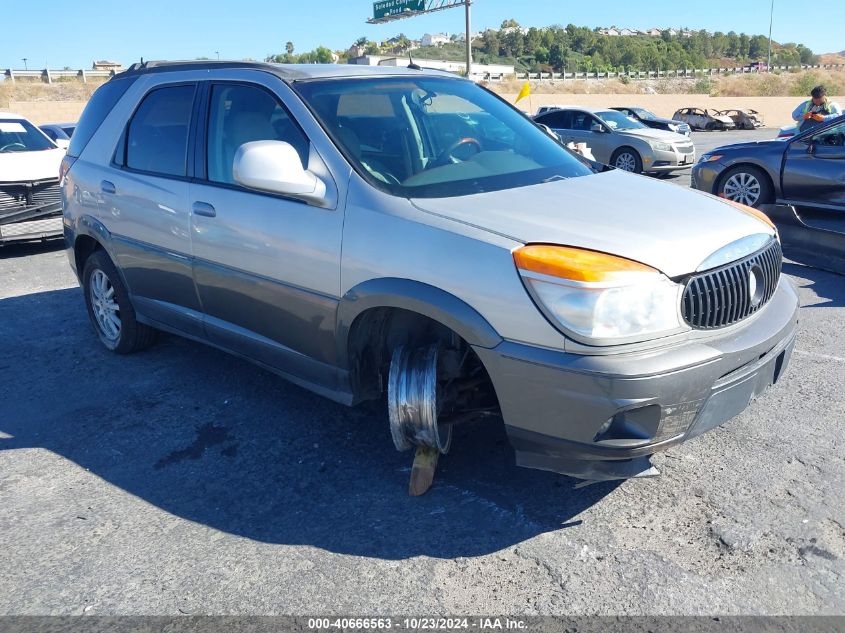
(64, 168)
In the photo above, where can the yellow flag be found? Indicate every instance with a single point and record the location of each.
(526, 90)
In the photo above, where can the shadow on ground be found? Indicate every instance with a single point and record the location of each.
(828, 287)
(215, 440)
(24, 249)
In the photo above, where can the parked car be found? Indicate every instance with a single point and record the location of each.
(702, 119)
(649, 119)
(618, 140)
(787, 131)
(548, 108)
(384, 232)
(30, 199)
(56, 134)
(743, 119)
(807, 171)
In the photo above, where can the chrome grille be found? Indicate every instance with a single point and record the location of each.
(19, 197)
(686, 149)
(722, 296)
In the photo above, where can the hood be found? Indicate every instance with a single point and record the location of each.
(655, 223)
(29, 166)
(667, 136)
(749, 145)
(669, 121)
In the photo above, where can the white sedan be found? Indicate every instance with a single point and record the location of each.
(30, 198)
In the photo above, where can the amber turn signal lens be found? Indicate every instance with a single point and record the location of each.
(576, 264)
(752, 211)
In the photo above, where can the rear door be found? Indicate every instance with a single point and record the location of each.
(814, 169)
(144, 204)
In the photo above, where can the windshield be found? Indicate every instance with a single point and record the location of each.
(618, 121)
(645, 114)
(419, 137)
(17, 135)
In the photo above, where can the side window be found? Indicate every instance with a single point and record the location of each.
(157, 139)
(581, 121)
(240, 114)
(559, 120)
(832, 137)
(98, 108)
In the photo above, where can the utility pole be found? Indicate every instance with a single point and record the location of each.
(25, 67)
(218, 55)
(469, 40)
(771, 17)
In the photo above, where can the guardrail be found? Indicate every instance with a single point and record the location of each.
(49, 76)
(652, 74)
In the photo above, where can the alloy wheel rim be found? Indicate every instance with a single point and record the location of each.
(105, 308)
(743, 188)
(626, 162)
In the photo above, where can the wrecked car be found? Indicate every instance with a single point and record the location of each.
(743, 119)
(703, 119)
(30, 198)
(405, 235)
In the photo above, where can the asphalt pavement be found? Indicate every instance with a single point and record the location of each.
(182, 480)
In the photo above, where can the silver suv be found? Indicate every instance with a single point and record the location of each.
(371, 232)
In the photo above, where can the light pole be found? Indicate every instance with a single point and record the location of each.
(771, 17)
(218, 55)
(24, 63)
(469, 41)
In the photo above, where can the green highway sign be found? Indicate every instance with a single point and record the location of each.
(384, 8)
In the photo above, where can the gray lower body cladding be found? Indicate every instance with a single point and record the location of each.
(600, 417)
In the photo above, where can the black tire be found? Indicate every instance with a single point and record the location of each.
(636, 162)
(736, 176)
(128, 335)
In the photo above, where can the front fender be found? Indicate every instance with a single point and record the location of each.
(414, 296)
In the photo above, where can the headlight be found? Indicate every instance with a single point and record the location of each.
(661, 147)
(706, 158)
(601, 298)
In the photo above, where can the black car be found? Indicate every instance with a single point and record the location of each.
(650, 119)
(807, 170)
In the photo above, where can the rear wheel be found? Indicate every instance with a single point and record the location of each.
(747, 185)
(110, 309)
(627, 159)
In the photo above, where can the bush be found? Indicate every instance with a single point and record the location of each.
(805, 85)
(703, 86)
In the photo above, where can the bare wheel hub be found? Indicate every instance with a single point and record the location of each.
(414, 400)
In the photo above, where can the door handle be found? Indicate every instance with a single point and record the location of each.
(204, 209)
(107, 187)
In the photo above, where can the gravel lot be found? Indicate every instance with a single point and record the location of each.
(182, 480)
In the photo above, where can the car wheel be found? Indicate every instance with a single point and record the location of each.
(628, 160)
(746, 185)
(110, 309)
(710, 126)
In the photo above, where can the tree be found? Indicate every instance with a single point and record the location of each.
(361, 41)
(509, 24)
(289, 48)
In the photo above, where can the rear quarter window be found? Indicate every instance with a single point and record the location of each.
(98, 108)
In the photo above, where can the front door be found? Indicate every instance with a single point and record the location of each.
(267, 268)
(814, 169)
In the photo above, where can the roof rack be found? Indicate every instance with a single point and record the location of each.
(145, 67)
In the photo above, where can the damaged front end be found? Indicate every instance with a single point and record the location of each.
(30, 210)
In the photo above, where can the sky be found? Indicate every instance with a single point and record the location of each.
(73, 34)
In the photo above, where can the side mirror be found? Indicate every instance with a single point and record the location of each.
(274, 166)
(597, 127)
(63, 143)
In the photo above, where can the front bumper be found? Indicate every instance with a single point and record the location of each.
(705, 176)
(41, 226)
(665, 161)
(600, 417)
